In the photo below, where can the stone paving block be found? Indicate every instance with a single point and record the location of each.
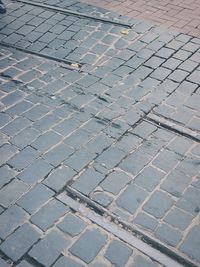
(17, 244)
(161, 73)
(58, 154)
(145, 221)
(36, 112)
(115, 181)
(190, 245)
(168, 234)
(4, 119)
(66, 127)
(19, 108)
(88, 181)
(66, 261)
(131, 198)
(35, 198)
(59, 178)
(49, 214)
(135, 162)
(149, 178)
(24, 158)
(72, 225)
(175, 183)
(140, 261)
(24, 264)
(11, 219)
(35, 172)
(178, 218)
(17, 187)
(4, 263)
(6, 174)
(16, 126)
(47, 250)
(158, 204)
(80, 159)
(178, 75)
(25, 137)
(102, 198)
(46, 141)
(12, 98)
(111, 157)
(118, 253)
(95, 241)
(166, 160)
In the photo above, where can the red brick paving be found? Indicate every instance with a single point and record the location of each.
(181, 15)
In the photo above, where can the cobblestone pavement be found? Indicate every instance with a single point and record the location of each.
(111, 125)
(182, 15)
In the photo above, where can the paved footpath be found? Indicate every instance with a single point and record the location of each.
(99, 139)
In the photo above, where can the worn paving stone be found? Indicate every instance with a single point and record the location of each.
(95, 241)
(72, 225)
(49, 214)
(47, 250)
(165, 203)
(35, 198)
(17, 244)
(118, 253)
(11, 219)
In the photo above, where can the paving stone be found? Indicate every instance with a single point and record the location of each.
(59, 178)
(188, 65)
(182, 54)
(18, 188)
(35, 198)
(168, 235)
(190, 245)
(146, 221)
(158, 204)
(49, 214)
(66, 127)
(94, 239)
(80, 159)
(178, 75)
(178, 218)
(111, 157)
(36, 112)
(24, 158)
(24, 264)
(46, 141)
(115, 181)
(66, 261)
(88, 181)
(72, 225)
(6, 174)
(165, 52)
(35, 172)
(160, 73)
(19, 108)
(4, 263)
(135, 162)
(172, 63)
(166, 160)
(12, 98)
(16, 126)
(102, 199)
(131, 198)
(118, 253)
(47, 250)
(149, 178)
(17, 244)
(175, 183)
(25, 137)
(140, 261)
(154, 62)
(11, 219)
